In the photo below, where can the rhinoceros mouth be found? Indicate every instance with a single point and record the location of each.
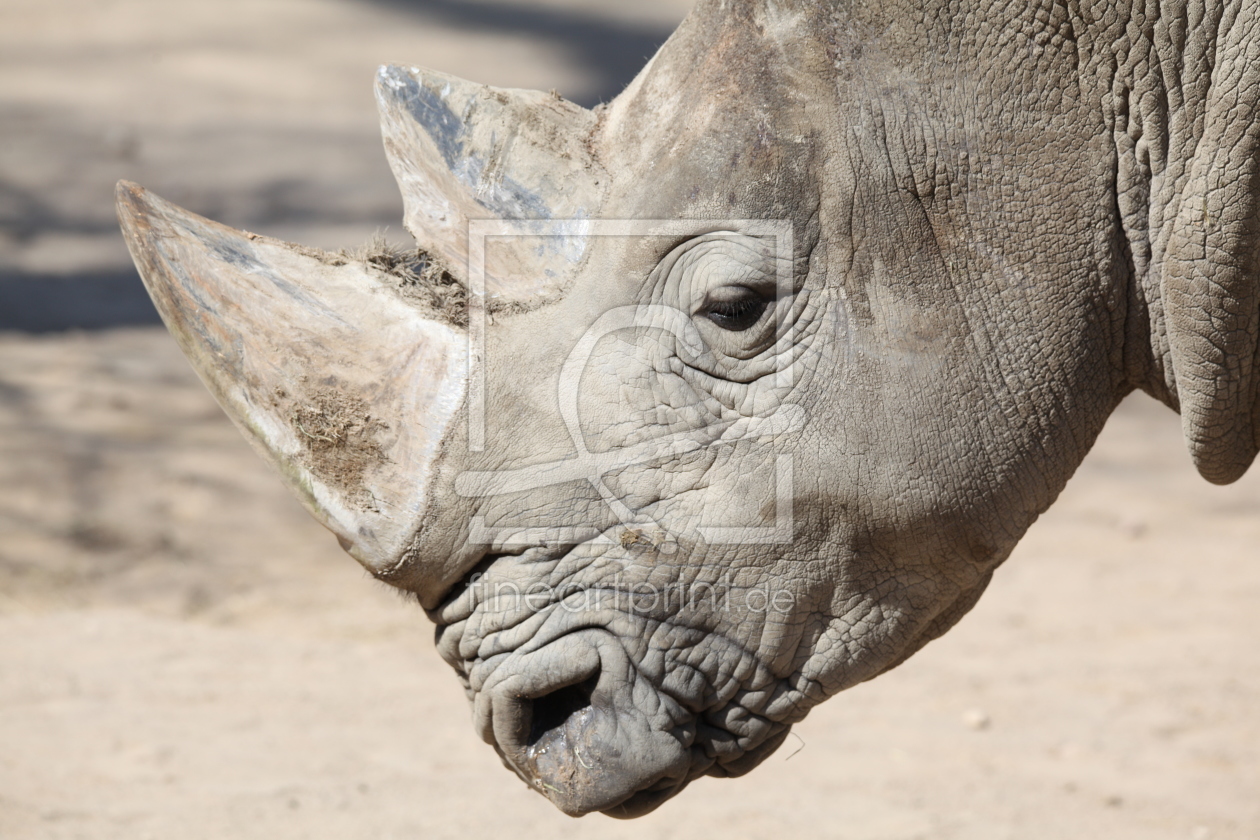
(583, 709)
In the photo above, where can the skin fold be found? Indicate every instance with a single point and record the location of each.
(767, 365)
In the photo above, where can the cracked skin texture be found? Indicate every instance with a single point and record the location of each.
(986, 207)
(1004, 219)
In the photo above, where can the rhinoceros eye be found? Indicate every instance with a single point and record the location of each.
(735, 308)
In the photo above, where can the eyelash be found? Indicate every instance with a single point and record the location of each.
(737, 315)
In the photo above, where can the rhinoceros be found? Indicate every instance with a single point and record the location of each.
(696, 408)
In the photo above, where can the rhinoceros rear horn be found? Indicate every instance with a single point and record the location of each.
(341, 383)
(1211, 273)
(467, 153)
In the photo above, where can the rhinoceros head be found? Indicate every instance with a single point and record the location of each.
(752, 378)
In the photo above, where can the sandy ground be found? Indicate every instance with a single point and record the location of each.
(185, 654)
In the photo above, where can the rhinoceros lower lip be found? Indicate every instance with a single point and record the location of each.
(647, 800)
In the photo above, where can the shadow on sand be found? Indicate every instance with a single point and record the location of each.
(609, 52)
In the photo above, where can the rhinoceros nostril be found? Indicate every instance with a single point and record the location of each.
(565, 718)
(550, 712)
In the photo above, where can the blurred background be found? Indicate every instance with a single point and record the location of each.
(184, 653)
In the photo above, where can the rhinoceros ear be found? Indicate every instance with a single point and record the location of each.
(465, 152)
(1211, 273)
(337, 380)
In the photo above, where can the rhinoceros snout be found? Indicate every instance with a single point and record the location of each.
(571, 720)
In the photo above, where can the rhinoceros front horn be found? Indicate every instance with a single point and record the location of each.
(338, 381)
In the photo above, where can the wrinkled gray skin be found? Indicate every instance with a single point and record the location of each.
(1005, 218)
